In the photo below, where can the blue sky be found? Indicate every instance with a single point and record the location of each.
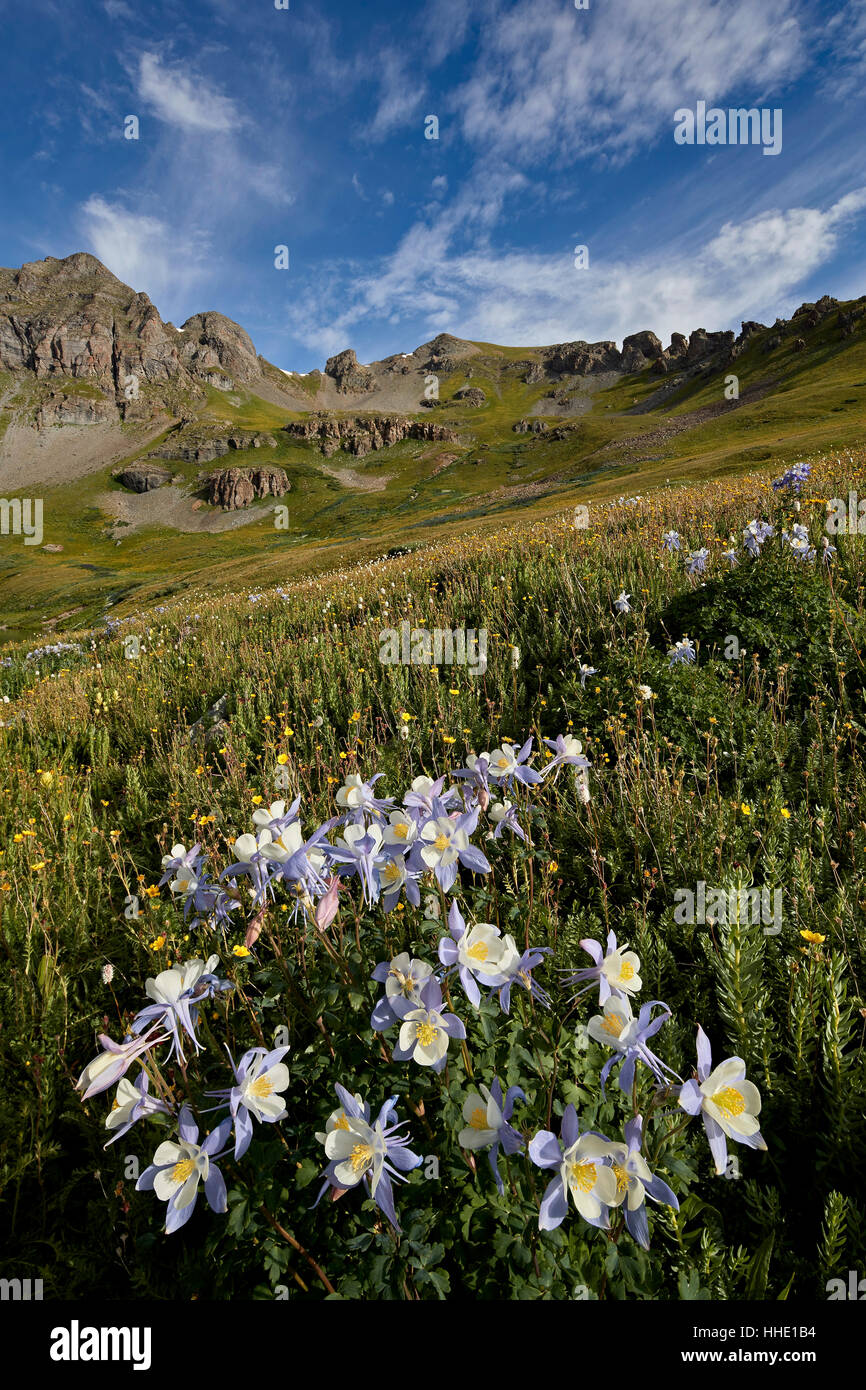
(305, 127)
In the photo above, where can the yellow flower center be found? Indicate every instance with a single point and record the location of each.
(622, 1177)
(729, 1101)
(390, 871)
(627, 971)
(361, 1157)
(478, 1119)
(341, 1123)
(612, 1024)
(583, 1176)
(401, 830)
(441, 841)
(478, 951)
(427, 1034)
(181, 1171)
(261, 1087)
(501, 762)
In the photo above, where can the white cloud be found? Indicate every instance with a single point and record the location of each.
(144, 252)
(400, 94)
(743, 270)
(602, 82)
(182, 101)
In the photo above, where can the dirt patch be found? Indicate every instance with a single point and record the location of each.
(65, 453)
(359, 482)
(173, 507)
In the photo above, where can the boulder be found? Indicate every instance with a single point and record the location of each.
(143, 477)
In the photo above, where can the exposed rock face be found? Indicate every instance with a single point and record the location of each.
(218, 350)
(530, 427)
(704, 345)
(639, 350)
(143, 477)
(61, 409)
(471, 395)
(361, 435)
(231, 488)
(206, 450)
(582, 359)
(349, 375)
(73, 318)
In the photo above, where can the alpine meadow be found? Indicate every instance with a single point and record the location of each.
(433, 796)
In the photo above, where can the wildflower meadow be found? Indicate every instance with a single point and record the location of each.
(532, 977)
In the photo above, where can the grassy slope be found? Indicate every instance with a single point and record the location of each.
(100, 777)
(815, 403)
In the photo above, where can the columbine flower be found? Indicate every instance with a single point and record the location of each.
(179, 1166)
(617, 971)
(487, 1126)
(276, 817)
(132, 1103)
(584, 672)
(505, 764)
(182, 863)
(793, 477)
(517, 970)
(359, 849)
(618, 1028)
(566, 750)
(115, 1060)
(422, 794)
(697, 561)
(402, 829)
(589, 1179)
(730, 556)
(622, 604)
(754, 536)
(671, 540)
(394, 877)
(444, 842)
(260, 1076)
(634, 1181)
(683, 652)
(725, 1100)
(481, 953)
(504, 817)
(799, 543)
(402, 979)
(827, 550)
(358, 797)
(361, 1152)
(178, 992)
(425, 1031)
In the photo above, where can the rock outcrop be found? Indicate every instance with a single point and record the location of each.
(360, 435)
(143, 477)
(470, 395)
(60, 408)
(73, 318)
(350, 376)
(206, 450)
(232, 488)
